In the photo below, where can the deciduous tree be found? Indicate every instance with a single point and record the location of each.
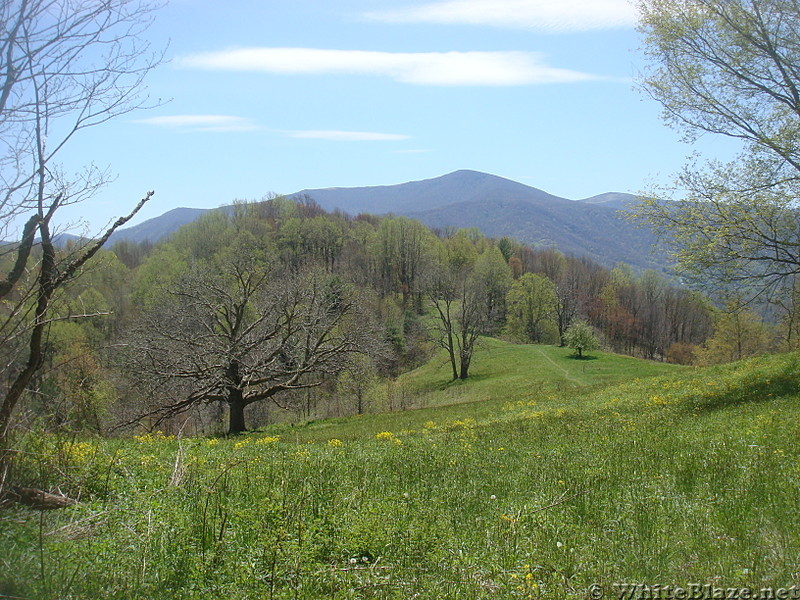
(581, 337)
(65, 65)
(491, 276)
(403, 246)
(462, 295)
(738, 333)
(729, 68)
(236, 331)
(531, 303)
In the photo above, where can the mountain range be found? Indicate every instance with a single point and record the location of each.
(593, 227)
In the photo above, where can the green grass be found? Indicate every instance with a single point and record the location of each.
(502, 372)
(514, 368)
(536, 481)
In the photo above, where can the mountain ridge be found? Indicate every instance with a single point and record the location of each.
(465, 185)
(591, 227)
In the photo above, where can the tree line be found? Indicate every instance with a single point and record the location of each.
(278, 303)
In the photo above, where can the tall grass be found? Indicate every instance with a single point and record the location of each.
(536, 492)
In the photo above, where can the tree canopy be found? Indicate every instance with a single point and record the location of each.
(729, 68)
(581, 337)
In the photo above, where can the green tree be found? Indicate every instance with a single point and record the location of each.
(206, 236)
(404, 246)
(531, 304)
(75, 393)
(491, 275)
(730, 68)
(581, 338)
(357, 378)
(463, 292)
(789, 326)
(738, 333)
(164, 266)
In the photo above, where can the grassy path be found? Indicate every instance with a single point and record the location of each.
(562, 369)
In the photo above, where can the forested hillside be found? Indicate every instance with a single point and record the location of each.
(272, 310)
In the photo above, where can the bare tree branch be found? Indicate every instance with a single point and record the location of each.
(65, 65)
(237, 334)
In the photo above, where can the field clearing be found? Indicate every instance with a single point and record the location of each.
(537, 490)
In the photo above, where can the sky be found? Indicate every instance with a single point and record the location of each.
(274, 96)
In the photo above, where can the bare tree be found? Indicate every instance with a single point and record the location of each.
(443, 292)
(402, 245)
(238, 332)
(460, 299)
(65, 65)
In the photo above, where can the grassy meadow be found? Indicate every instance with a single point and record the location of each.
(536, 478)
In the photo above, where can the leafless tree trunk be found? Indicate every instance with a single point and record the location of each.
(460, 303)
(65, 65)
(237, 333)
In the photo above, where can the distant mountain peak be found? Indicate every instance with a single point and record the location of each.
(616, 200)
(466, 198)
(459, 186)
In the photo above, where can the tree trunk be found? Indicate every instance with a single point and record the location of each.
(39, 499)
(465, 360)
(451, 346)
(236, 405)
(452, 354)
(45, 290)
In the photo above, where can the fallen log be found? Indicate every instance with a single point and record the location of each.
(38, 499)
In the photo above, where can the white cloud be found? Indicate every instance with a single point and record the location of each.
(202, 122)
(556, 16)
(347, 136)
(421, 68)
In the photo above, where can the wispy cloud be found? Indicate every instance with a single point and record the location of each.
(203, 123)
(556, 16)
(347, 136)
(421, 68)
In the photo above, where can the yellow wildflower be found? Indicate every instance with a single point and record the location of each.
(388, 436)
(270, 439)
(79, 452)
(149, 437)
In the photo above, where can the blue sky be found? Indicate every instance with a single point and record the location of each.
(274, 96)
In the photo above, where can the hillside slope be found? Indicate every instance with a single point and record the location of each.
(158, 228)
(595, 231)
(539, 490)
